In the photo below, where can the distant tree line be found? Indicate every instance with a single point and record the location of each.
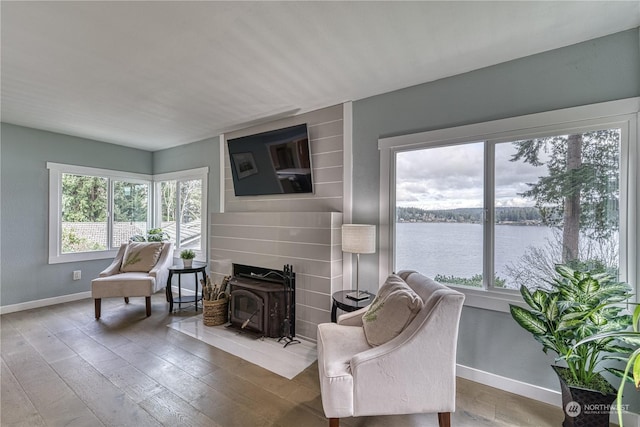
(522, 215)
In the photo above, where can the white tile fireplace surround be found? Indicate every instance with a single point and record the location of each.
(309, 241)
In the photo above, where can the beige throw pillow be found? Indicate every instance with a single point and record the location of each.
(140, 256)
(391, 311)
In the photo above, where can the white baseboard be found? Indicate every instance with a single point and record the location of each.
(5, 309)
(541, 394)
(552, 397)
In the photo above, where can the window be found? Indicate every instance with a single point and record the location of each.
(181, 201)
(439, 200)
(490, 207)
(130, 210)
(556, 200)
(92, 211)
(84, 213)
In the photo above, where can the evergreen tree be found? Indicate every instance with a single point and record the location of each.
(84, 198)
(131, 202)
(581, 189)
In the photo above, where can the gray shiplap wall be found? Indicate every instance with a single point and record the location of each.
(298, 229)
(326, 140)
(309, 241)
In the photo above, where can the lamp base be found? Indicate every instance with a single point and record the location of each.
(357, 295)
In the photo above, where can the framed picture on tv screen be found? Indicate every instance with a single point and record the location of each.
(245, 165)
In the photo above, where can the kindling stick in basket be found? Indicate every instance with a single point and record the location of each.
(215, 302)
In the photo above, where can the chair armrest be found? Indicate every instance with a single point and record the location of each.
(161, 270)
(114, 267)
(419, 362)
(352, 319)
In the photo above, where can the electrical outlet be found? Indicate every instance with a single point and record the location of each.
(77, 275)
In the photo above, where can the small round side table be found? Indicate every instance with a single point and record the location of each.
(197, 267)
(340, 301)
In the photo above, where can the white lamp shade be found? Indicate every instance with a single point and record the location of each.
(359, 238)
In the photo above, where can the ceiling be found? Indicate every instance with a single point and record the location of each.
(154, 75)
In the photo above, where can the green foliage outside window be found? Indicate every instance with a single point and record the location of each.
(84, 198)
(72, 242)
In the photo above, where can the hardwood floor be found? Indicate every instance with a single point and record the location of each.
(61, 367)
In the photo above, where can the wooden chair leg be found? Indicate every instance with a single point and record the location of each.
(126, 300)
(444, 419)
(98, 304)
(147, 301)
(334, 422)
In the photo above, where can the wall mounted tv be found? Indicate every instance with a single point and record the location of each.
(273, 162)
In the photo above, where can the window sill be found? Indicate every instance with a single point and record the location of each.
(82, 256)
(495, 300)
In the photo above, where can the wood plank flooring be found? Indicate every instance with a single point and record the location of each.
(61, 367)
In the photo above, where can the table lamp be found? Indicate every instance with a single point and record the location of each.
(358, 239)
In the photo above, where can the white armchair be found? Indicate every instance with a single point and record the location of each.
(415, 372)
(138, 270)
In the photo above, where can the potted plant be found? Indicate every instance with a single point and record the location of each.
(153, 235)
(575, 306)
(187, 256)
(631, 357)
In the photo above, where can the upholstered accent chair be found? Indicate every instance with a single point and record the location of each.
(414, 371)
(139, 269)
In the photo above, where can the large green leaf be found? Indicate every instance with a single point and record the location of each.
(565, 271)
(527, 320)
(633, 340)
(598, 319)
(615, 287)
(540, 297)
(636, 316)
(526, 296)
(581, 316)
(565, 324)
(589, 285)
(636, 369)
(612, 348)
(622, 358)
(619, 373)
(552, 311)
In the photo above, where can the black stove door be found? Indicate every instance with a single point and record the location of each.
(247, 311)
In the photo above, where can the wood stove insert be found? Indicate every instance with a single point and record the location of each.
(262, 302)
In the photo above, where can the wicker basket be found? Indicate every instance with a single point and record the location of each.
(215, 312)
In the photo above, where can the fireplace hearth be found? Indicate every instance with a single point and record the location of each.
(262, 301)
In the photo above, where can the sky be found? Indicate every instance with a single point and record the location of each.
(452, 177)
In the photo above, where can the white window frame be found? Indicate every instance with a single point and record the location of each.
(621, 114)
(185, 175)
(56, 170)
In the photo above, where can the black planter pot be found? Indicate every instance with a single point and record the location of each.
(584, 407)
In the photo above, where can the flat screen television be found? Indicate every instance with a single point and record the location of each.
(273, 162)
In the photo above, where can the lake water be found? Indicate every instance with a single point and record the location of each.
(456, 248)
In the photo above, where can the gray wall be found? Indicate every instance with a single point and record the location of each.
(599, 70)
(308, 241)
(205, 153)
(26, 274)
